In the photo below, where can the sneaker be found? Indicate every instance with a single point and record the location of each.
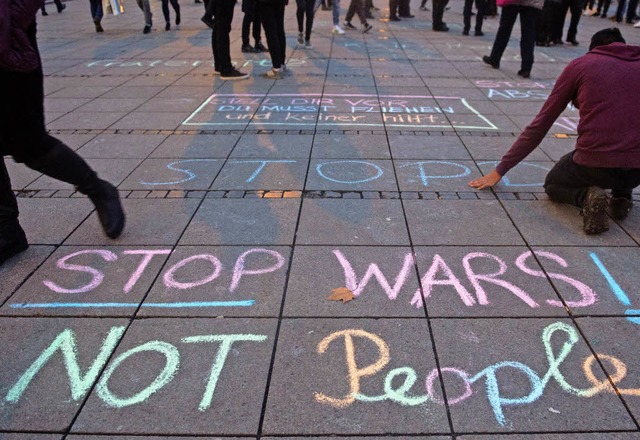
(61, 8)
(300, 38)
(247, 48)
(637, 25)
(367, 28)
(308, 45)
(394, 18)
(441, 28)
(259, 47)
(478, 34)
(337, 30)
(12, 242)
(524, 73)
(594, 211)
(233, 75)
(167, 26)
(146, 29)
(489, 61)
(178, 19)
(274, 73)
(349, 26)
(98, 24)
(619, 207)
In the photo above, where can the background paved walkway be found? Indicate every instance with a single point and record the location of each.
(210, 316)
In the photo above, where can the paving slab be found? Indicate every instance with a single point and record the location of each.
(273, 147)
(15, 271)
(154, 370)
(220, 281)
(327, 401)
(383, 280)
(337, 146)
(257, 174)
(38, 394)
(170, 174)
(496, 378)
(350, 174)
(121, 146)
(63, 216)
(196, 146)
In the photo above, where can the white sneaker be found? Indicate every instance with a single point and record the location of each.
(337, 30)
(637, 25)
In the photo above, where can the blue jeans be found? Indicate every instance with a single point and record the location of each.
(528, 34)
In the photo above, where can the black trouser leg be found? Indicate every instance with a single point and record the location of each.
(8, 203)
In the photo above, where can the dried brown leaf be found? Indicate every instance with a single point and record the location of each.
(341, 294)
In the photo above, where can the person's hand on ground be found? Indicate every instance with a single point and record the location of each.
(487, 181)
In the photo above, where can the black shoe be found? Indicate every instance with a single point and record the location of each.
(394, 18)
(178, 19)
(524, 73)
(206, 19)
(146, 29)
(167, 26)
(98, 26)
(465, 31)
(366, 28)
(487, 60)
(557, 42)
(407, 16)
(443, 28)
(12, 242)
(107, 202)
(478, 34)
(233, 75)
(594, 211)
(61, 7)
(573, 42)
(259, 47)
(247, 48)
(619, 207)
(348, 25)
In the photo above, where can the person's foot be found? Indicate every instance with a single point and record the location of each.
(167, 26)
(557, 42)
(178, 19)
(12, 242)
(394, 18)
(247, 48)
(61, 8)
(442, 28)
(98, 26)
(337, 30)
(407, 15)
(366, 28)
(603, 16)
(206, 19)
(107, 202)
(637, 25)
(349, 26)
(233, 75)
(594, 211)
(465, 31)
(274, 73)
(489, 61)
(146, 29)
(478, 34)
(308, 45)
(619, 207)
(300, 38)
(524, 73)
(573, 42)
(259, 47)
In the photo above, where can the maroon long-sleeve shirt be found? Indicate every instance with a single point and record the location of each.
(604, 85)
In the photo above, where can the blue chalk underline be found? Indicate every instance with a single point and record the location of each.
(177, 305)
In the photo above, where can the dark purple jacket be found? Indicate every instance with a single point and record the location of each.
(17, 50)
(604, 85)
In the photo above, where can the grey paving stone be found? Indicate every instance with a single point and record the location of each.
(545, 223)
(215, 281)
(493, 148)
(21, 176)
(336, 146)
(582, 435)
(196, 146)
(456, 222)
(323, 403)
(16, 270)
(63, 216)
(526, 176)
(170, 174)
(87, 120)
(121, 146)
(16, 436)
(351, 174)
(352, 222)
(81, 281)
(222, 401)
(258, 222)
(435, 175)
(612, 339)
(44, 400)
(383, 280)
(494, 380)
(149, 222)
(111, 170)
(467, 282)
(428, 148)
(257, 174)
(273, 146)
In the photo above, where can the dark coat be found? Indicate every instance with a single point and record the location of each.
(18, 51)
